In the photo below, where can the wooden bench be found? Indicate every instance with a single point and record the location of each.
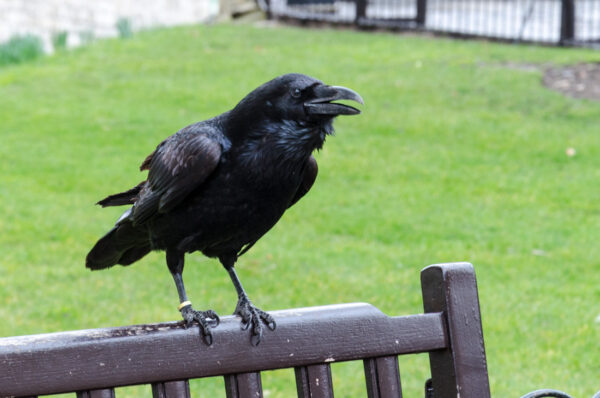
(93, 362)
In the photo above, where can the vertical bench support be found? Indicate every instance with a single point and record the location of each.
(383, 377)
(243, 385)
(460, 370)
(103, 393)
(171, 389)
(314, 381)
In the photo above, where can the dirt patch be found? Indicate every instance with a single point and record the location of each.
(578, 81)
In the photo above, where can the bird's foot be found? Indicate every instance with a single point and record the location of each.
(206, 319)
(254, 317)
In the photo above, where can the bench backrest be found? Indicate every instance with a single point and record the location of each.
(94, 362)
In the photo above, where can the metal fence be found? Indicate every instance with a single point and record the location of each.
(565, 22)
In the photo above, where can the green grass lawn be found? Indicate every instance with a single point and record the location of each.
(456, 157)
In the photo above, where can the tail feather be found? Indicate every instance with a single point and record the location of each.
(124, 244)
(123, 198)
(134, 254)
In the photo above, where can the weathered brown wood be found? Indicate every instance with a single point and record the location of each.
(88, 359)
(243, 385)
(460, 369)
(171, 389)
(383, 377)
(103, 393)
(314, 381)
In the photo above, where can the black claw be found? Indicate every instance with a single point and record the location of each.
(214, 317)
(268, 320)
(206, 320)
(255, 339)
(253, 316)
(188, 322)
(244, 324)
(208, 338)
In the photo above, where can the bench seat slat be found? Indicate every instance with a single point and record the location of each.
(94, 362)
(80, 360)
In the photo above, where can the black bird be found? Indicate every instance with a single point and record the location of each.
(217, 186)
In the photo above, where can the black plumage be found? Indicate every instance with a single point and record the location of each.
(217, 186)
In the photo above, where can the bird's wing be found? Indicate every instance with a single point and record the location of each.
(179, 165)
(146, 163)
(310, 175)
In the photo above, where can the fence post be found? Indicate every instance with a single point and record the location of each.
(268, 13)
(567, 22)
(361, 11)
(421, 13)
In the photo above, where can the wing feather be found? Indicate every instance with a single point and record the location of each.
(179, 165)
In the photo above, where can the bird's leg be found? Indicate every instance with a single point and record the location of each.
(175, 263)
(250, 314)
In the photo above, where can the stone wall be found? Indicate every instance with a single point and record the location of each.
(85, 19)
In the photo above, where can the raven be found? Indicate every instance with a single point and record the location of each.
(219, 185)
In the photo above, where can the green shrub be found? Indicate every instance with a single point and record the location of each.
(20, 49)
(124, 28)
(59, 40)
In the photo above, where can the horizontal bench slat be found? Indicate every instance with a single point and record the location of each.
(101, 358)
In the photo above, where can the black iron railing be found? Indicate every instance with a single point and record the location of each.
(564, 22)
(552, 394)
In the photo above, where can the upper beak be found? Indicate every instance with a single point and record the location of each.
(322, 105)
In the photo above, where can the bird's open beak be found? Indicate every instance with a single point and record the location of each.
(323, 105)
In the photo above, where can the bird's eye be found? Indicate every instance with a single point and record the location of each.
(296, 93)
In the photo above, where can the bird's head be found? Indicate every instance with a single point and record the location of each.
(297, 108)
(303, 98)
(299, 98)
